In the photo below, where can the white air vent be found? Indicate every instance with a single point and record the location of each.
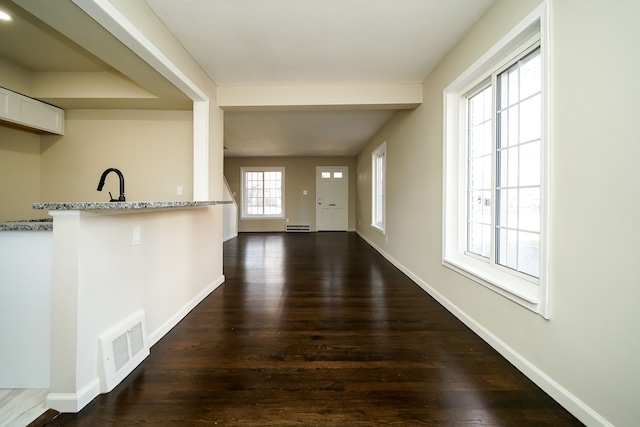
(298, 228)
(122, 348)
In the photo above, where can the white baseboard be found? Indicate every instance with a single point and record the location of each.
(74, 402)
(564, 397)
(229, 237)
(161, 331)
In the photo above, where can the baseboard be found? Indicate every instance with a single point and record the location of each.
(156, 335)
(230, 236)
(74, 402)
(564, 397)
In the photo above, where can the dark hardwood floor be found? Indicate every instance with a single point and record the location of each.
(319, 329)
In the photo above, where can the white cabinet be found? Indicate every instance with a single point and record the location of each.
(26, 262)
(5, 100)
(31, 113)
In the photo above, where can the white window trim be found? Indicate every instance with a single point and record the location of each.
(378, 225)
(530, 294)
(243, 214)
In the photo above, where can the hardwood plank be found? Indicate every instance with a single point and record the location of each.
(319, 329)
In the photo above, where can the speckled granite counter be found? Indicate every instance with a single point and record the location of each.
(28, 225)
(123, 205)
(47, 223)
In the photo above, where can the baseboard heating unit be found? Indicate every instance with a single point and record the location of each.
(298, 228)
(123, 347)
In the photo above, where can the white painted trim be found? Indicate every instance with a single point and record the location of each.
(399, 96)
(161, 331)
(201, 150)
(527, 292)
(109, 17)
(375, 154)
(229, 213)
(564, 397)
(74, 402)
(243, 192)
(319, 170)
(229, 237)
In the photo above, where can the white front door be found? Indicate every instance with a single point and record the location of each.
(332, 193)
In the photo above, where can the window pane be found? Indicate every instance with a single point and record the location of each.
(529, 253)
(512, 78)
(480, 239)
(479, 106)
(326, 175)
(530, 70)
(378, 186)
(518, 183)
(475, 238)
(479, 172)
(337, 175)
(508, 248)
(508, 208)
(529, 209)
(530, 119)
(509, 127)
(530, 164)
(508, 169)
(263, 192)
(509, 90)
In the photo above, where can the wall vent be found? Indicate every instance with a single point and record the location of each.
(298, 228)
(122, 347)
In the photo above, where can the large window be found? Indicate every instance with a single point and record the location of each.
(262, 193)
(378, 186)
(495, 162)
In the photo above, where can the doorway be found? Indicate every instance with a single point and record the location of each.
(332, 192)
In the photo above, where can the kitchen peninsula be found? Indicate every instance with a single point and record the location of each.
(115, 260)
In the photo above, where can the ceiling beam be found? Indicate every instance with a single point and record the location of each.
(246, 98)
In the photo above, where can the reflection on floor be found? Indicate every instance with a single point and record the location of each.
(19, 407)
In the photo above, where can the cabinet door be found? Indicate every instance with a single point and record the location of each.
(37, 114)
(5, 101)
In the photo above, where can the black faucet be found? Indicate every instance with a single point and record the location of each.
(101, 184)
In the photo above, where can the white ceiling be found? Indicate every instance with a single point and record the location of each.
(301, 133)
(34, 41)
(261, 43)
(314, 42)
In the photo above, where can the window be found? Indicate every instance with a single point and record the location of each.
(262, 193)
(495, 162)
(378, 186)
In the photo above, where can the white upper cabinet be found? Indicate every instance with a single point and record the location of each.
(5, 100)
(31, 113)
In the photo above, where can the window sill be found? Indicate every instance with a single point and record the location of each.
(378, 229)
(250, 218)
(521, 291)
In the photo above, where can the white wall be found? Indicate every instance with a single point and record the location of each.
(585, 356)
(230, 213)
(100, 278)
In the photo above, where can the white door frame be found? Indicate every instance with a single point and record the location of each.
(319, 206)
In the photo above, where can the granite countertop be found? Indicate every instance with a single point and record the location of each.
(123, 205)
(45, 224)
